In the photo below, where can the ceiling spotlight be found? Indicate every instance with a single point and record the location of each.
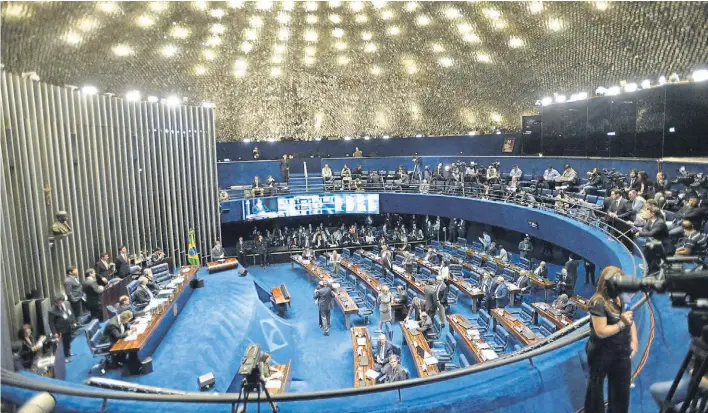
(342, 60)
(251, 34)
(500, 24)
(411, 6)
(199, 70)
(370, 47)
(483, 57)
(122, 50)
(361, 18)
(445, 62)
(560, 98)
(145, 21)
(470, 38)
(340, 45)
(169, 50)
(366, 36)
(256, 21)
(672, 130)
(601, 90)
(495, 117)
(674, 78)
(311, 5)
(700, 75)
(89, 90)
(602, 5)
(264, 4)
(288, 5)
(277, 59)
(200, 5)
(217, 13)
(275, 71)
(452, 13)
(309, 60)
(492, 13)
(213, 41)
(393, 31)
(387, 15)
(630, 87)
(173, 101)
(419, 135)
(108, 7)
(246, 140)
(283, 18)
(422, 20)
(412, 69)
(515, 42)
(159, 6)
(646, 84)
(613, 91)
(356, 6)
(554, 25)
(310, 51)
(87, 24)
(210, 55)
(241, 64)
(240, 72)
(580, 96)
(347, 138)
(153, 99)
(72, 38)
(536, 7)
(464, 28)
(311, 19)
(338, 33)
(132, 96)
(334, 4)
(218, 28)
(335, 18)
(546, 101)
(311, 36)
(208, 105)
(179, 32)
(367, 137)
(246, 47)
(662, 80)
(283, 34)
(375, 70)
(438, 48)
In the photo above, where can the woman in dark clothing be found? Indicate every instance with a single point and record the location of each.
(612, 344)
(30, 346)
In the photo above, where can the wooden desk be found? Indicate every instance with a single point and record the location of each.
(285, 380)
(162, 318)
(359, 370)
(514, 326)
(341, 296)
(560, 320)
(474, 345)
(581, 302)
(370, 281)
(278, 296)
(227, 264)
(400, 272)
(110, 295)
(423, 369)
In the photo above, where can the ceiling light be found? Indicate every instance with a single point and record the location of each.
(132, 96)
(311, 19)
(646, 84)
(279, 48)
(159, 6)
(213, 41)
(87, 24)
(309, 60)
(672, 130)
(601, 5)
(393, 31)
(361, 18)
(554, 24)
(515, 42)
(601, 90)
(179, 32)
(334, 18)
(207, 105)
(246, 140)
(483, 57)
(310, 51)
(275, 71)
(499, 24)
(630, 87)
(613, 91)
(199, 70)
(347, 138)
(338, 33)
(200, 5)
(311, 5)
(700, 75)
(370, 47)
(411, 6)
(379, 4)
(422, 20)
(356, 6)
(580, 96)
(437, 48)
(464, 28)
(492, 13)
(387, 15)
(72, 38)
(340, 45)
(89, 90)
(277, 59)
(283, 34)
(217, 13)
(342, 60)
(209, 54)
(145, 21)
(240, 72)
(264, 4)
(173, 101)
(108, 7)
(218, 28)
(246, 47)
(452, 13)
(251, 34)
(546, 101)
(122, 50)
(536, 7)
(256, 21)
(674, 78)
(411, 69)
(169, 50)
(471, 38)
(288, 5)
(445, 62)
(495, 117)
(311, 36)
(367, 137)
(153, 99)
(241, 64)
(560, 98)
(334, 4)
(375, 70)
(662, 80)
(366, 36)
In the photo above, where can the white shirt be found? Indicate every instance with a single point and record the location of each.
(445, 273)
(550, 175)
(503, 255)
(516, 172)
(326, 172)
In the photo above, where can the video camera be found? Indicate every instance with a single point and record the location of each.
(250, 367)
(614, 178)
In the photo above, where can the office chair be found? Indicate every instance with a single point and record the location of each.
(367, 309)
(111, 310)
(94, 339)
(444, 350)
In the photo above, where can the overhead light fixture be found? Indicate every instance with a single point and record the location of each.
(310, 36)
(630, 87)
(536, 7)
(411, 6)
(153, 99)
(370, 47)
(145, 21)
(169, 50)
(246, 140)
(387, 15)
(217, 13)
(386, 137)
(560, 98)
(338, 33)
(173, 101)
(515, 42)
(256, 21)
(422, 20)
(554, 24)
(394, 30)
(199, 69)
(361, 18)
(275, 71)
(613, 91)
(672, 130)
(367, 137)
(366, 36)
(335, 18)
(662, 80)
(347, 138)
(446, 62)
(179, 32)
(700, 75)
(452, 13)
(601, 90)
(646, 84)
(419, 135)
(122, 50)
(674, 78)
(132, 96)
(546, 101)
(89, 90)
(611, 133)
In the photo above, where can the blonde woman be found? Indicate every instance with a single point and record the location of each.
(612, 344)
(384, 301)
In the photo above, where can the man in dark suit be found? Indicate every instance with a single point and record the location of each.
(124, 304)
(93, 294)
(123, 266)
(104, 269)
(285, 168)
(325, 301)
(142, 294)
(62, 322)
(384, 351)
(656, 229)
(73, 290)
(524, 284)
(387, 260)
(566, 283)
(241, 251)
(488, 287)
(431, 298)
(262, 249)
(117, 328)
(572, 267)
(441, 291)
(393, 371)
(619, 210)
(589, 272)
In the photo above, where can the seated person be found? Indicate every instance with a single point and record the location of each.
(327, 173)
(384, 350)
(142, 295)
(157, 256)
(637, 202)
(124, 304)
(491, 248)
(516, 172)
(563, 305)
(594, 182)
(416, 310)
(424, 186)
(358, 171)
(431, 257)
(30, 346)
(503, 255)
(492, 175)
(523, 283)
(268, 372)
(513, 184)
(257, 187)
(151, 285)
(690, 211)
(393, 371)
(270, 185)
(569, 177)
(346, 175)
(693, 242)
(425, 323)
(550, 175)
(116, 328)
(358, 185)
(217, 253)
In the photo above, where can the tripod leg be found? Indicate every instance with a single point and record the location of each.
(695, 381)
(667, 406)
(273, 407)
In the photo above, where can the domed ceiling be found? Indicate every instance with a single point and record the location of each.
(336, 68)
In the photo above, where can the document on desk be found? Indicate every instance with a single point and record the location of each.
(372, 374)
(335, 285)
(489, 354)
(411, 324)
(430, 360)
(278, 374)
(361, 341)
(483, 346)
(273, 384)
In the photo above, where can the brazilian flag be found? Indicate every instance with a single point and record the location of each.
(192, 253)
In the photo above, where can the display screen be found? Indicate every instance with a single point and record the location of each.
(300, 205)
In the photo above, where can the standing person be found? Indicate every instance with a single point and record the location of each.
(93, 294)
(325, 299)
(589, 272)
(336, 259)
(572, 267)
(488, 287)
(525, 247)
(105, 269)
(285, 169)
(431, 298)
(384, 301)
(256, 153)
(501, 293)
(408, 262)
(386, 260)
(61, 323)
(241, 251)
(566, 283)
(612, 344)
(72, 287)
(262, 249)
(357, 152)
(441, 294)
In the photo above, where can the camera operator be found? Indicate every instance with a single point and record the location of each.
(693, 242)
(594, 182)
(612, 345)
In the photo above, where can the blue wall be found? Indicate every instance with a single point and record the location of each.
(242, 173)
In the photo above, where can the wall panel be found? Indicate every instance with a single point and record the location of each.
(133, 173)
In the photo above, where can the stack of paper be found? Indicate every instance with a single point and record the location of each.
(361, 341)
(278, 374)
(411, 324)
(483, 346)
(273, 384)
(430, 360)
(489, 354)
(372, 374)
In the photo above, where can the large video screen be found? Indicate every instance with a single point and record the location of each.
(300, 205)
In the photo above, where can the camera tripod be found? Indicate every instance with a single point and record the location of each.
(247, 387)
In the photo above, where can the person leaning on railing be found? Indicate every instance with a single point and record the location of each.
(612, 344)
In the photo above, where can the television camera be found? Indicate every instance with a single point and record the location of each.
(250, 370)
(613, 179)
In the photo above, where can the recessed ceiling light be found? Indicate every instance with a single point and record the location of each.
(515, 42)
(145, 21)
(275, 71)
(169, 50)
(536, 7)
(452, 13)
(213, 41)
(159, 6)
(309, 60)
(338, 33)
(200, 70)
(108, 7)
(356, 6)
(179, 32)
(264, 4)
(394, 30)
(334, 4)
(89, 90)
(601, 5)
(132, 96)
(209, 54)
(311, 36)
(370, 47)
(340, 45)
(311, 5)
(342, 60)
(361, 18)
(200, 5)
(218, 28)
(311, 19)
(217, 13)
(283, 18)
(246, 47)
(422, 20)
(445, 62)
(283, 34)
(288, 5)
(122, 50)
(87, 24)
(366, 36)
(438, 48)
(256, 21)
(310, 51)
(251, 34)
(483, 57)
(72, 38)
(492, 13)
(470, 38)
(375, 70)
(387, 14)
(411, 6)
(554, 24)
(335, 18)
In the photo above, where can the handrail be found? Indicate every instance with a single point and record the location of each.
(572, 333)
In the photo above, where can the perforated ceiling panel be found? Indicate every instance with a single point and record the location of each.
(307, 69)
